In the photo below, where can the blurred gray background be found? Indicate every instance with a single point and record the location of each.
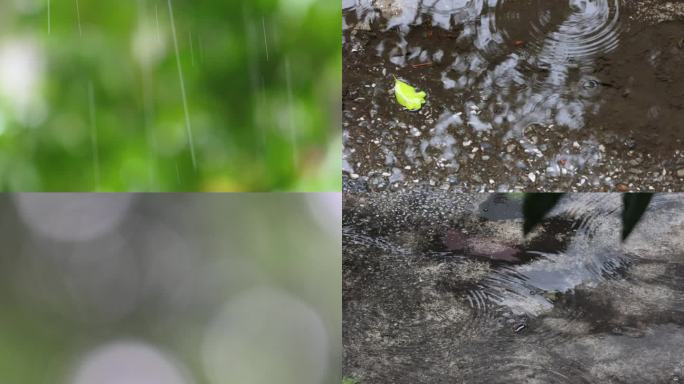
(170, 288)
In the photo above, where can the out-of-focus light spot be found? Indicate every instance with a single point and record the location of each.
(128, 363)
(72, 217)
(327, 209)
(266, 336)
(148, 49)
(222, 183)
(28, 6)
(295, 8)
(21, 71)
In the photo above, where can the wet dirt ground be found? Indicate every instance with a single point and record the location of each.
(523, 95)
(442, 288)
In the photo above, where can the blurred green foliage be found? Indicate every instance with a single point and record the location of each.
(263, 84)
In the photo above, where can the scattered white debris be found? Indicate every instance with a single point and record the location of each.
(532, 177)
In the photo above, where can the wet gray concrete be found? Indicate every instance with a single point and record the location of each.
(577, 95)
(427, 297)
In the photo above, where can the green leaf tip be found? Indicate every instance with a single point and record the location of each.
(407, 95)
(635, 205)
(535, 207)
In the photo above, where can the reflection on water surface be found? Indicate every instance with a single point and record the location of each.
(525, 86)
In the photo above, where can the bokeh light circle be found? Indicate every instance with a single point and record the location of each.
(72, 217)
(128, 362)
(327, 209)
(265, 336)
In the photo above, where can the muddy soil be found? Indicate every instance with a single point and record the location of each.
(522, 95)
(586, 309)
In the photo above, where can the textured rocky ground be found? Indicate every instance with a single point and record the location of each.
(577, 306)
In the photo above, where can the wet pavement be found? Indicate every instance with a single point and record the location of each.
(522, 95)
(441, 288)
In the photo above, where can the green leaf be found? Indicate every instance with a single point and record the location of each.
(407, 95)
(635, 205)
(536, 206)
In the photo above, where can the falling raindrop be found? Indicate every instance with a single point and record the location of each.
(192, 49)
(293, 133)
(256, 81)
(93, 135)
(48, 17)
(263, 25)
(156, 16)
(78, 17)
(188, 127)
(148, 105)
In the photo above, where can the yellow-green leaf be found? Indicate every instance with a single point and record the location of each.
(407, 95)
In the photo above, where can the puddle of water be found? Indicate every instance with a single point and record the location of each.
(423, 301)
(521, 95)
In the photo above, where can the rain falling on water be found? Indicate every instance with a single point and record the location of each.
(522, 95)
